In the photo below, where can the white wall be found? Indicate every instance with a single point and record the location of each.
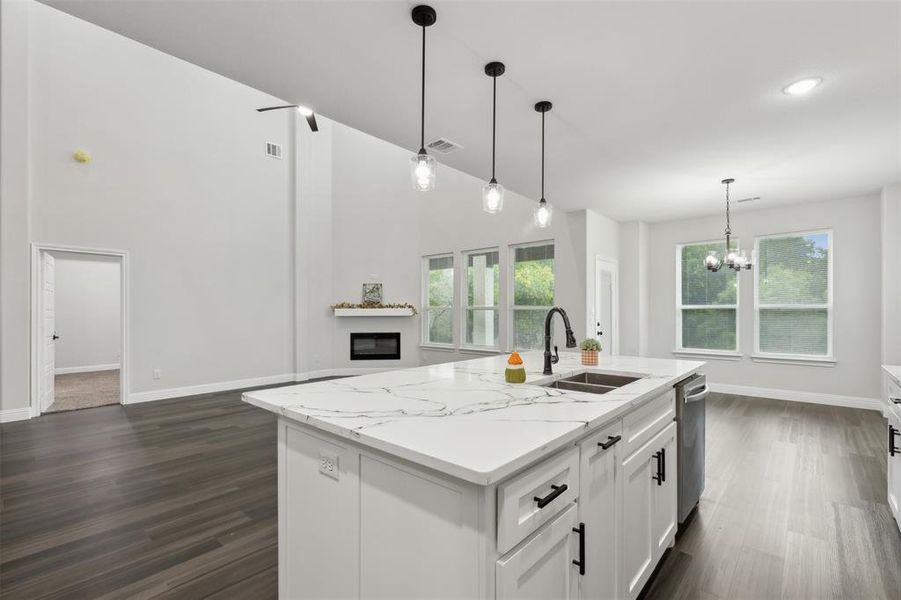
(857, 303)
(363, 222)
(890, 213)
(634, 279)
(87, 309)
(179, 179)
(601, 240)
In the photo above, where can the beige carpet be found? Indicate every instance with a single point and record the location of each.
(85, 390)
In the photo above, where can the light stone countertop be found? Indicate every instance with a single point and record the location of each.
(462, 418)
(894, 372)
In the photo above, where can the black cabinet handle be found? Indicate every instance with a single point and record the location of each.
(611, 439)
(54, 337)
(895, 400)
(556, 491)
(892, 449)
(581, 562)
(660, 477)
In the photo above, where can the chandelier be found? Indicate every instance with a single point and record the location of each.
(735, 259)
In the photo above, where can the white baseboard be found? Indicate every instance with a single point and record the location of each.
(792, 395)
(207, 388)
(15, 414)
(86, 369)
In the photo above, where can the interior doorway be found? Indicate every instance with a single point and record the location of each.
(606, 305)
(79, 328)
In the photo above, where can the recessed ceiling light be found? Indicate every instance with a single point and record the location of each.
(799, 88)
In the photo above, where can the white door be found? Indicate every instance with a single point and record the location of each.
(894, 467)
(48, 331)
(543, 568)
(599, 509)
(605, 310)
(665, 504)
(635, 540)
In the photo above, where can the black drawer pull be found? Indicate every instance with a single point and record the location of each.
(895, 400)
(611, 439)
(557, 490)
(581, 562)
(892, 449)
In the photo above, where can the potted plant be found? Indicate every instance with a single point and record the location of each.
(590, 348)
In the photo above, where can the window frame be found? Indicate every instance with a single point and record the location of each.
(426, 308)
(511, 284)
(679, 348)
(829, 357)
(464, 300)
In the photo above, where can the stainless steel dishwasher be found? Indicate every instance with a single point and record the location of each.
(691, 409)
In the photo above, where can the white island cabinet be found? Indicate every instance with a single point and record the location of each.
(447, 482)
(892, 412)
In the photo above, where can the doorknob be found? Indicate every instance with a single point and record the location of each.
(54, 337)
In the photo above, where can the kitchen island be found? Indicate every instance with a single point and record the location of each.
(446, 482)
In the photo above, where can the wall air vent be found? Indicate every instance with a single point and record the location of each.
(273, 150)
(443, 146)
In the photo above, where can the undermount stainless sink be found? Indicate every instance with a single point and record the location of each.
(593, 383)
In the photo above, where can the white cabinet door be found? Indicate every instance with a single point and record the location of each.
(649, 509)
(600, 510)
(665, 502)
(638, 497)
(542, 569)
(894, 466)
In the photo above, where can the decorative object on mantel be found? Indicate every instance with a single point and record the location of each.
(590, 348)
(734, 259)
(515, 371)
(348, 309)
(372, 293)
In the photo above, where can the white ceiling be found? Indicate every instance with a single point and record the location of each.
(654, 103)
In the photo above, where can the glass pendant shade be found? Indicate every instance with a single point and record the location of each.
(492, 197)
(544, 213)
(423, 169)
(712, 262)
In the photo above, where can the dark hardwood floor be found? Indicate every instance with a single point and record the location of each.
(177, 499)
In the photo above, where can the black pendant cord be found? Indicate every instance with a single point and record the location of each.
(422, 107)
(493, 124)
(728, 226)
(542, 156)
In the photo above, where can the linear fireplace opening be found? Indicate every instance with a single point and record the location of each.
(375, 346)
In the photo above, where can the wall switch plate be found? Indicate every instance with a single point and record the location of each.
(157, 373)
(328, 464)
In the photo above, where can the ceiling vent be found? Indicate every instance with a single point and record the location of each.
(443, 146)
(273, 150)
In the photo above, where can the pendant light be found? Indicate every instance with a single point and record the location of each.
(543, 212)
(493, 192)
(734, 259)
(423, 166)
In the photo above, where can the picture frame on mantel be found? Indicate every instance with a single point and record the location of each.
(372, 293)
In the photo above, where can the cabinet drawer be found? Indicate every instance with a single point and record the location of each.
(531, 499)
(642, 424)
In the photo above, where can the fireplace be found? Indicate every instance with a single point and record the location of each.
(375, 346)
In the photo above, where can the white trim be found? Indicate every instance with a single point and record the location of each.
(208, 388)
(35, 317)
(679, 306)
(86, 369)
(442, 347)
(761, 356)
(711, 354)
(796, 396)
(479, 350)
(15, 414)
(795, 359)
(373, 312)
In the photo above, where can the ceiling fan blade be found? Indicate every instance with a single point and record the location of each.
(276, 107)
(312, 121)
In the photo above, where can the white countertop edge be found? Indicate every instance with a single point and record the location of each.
(894, 371)
(484, 478)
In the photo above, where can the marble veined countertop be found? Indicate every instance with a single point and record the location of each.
(462, 418)
(894, 371)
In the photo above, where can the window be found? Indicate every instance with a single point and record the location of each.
(707, 301)
(438, 311)
(533, 293)
(481, 323)
(794, 294)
